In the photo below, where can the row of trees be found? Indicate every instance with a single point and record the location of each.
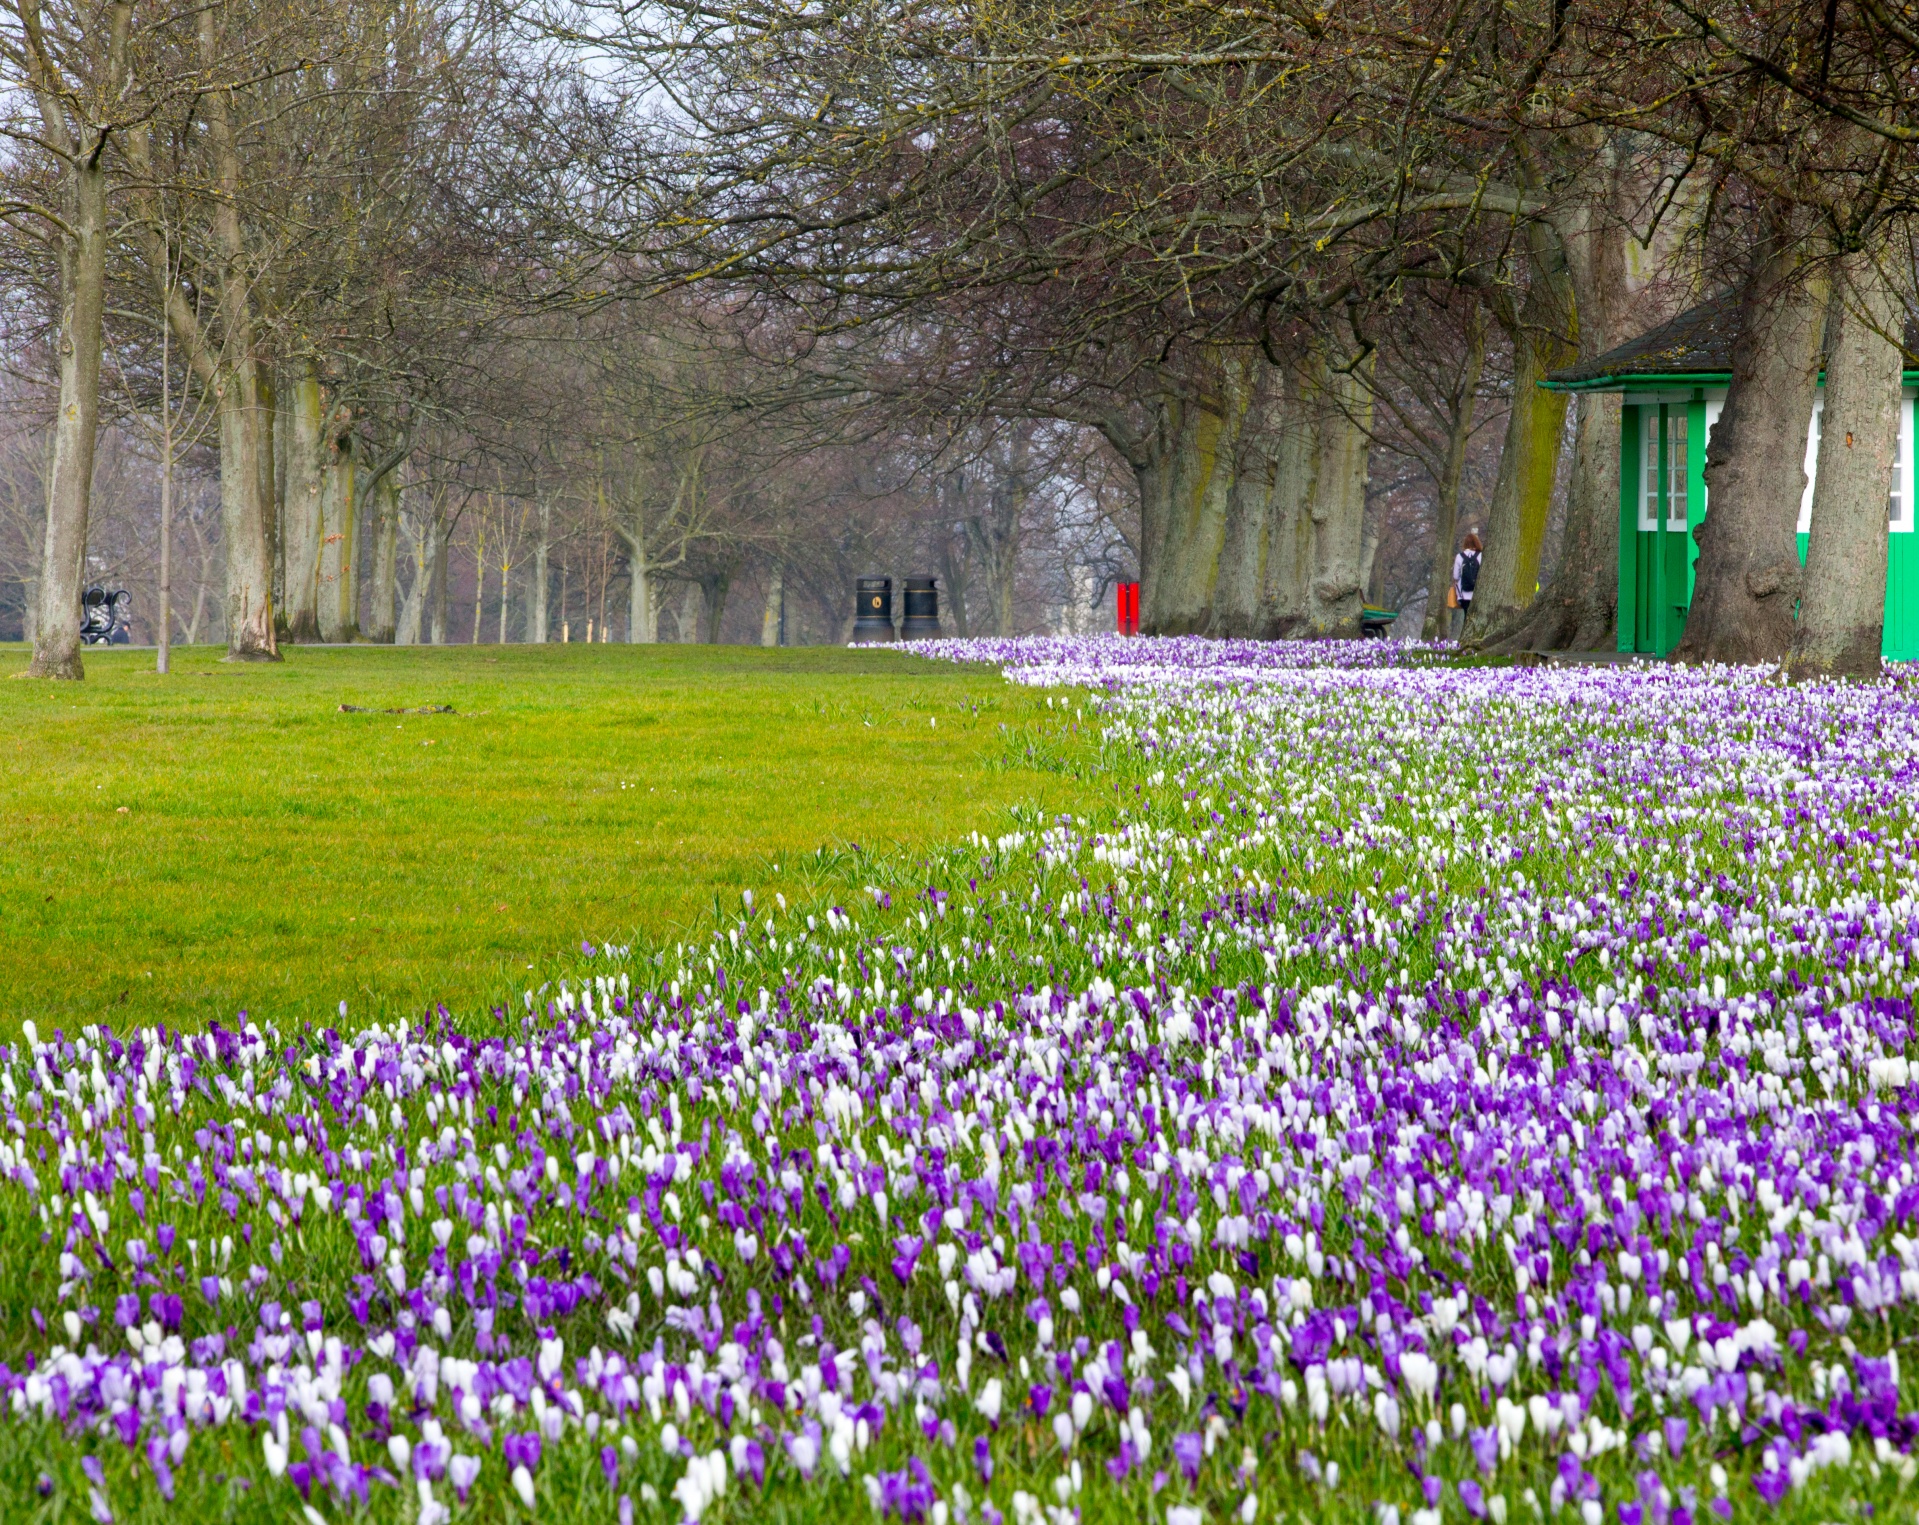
(1206, 232)
(476, 545)
(284, 252)
(741, 292)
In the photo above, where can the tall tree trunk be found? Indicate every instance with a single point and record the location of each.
(542, 574)
(1171, 475)
(644, 603)
(997, 549)
(479, 579)
(282, 436)
(692, 612)
(770, 614)
(1544, 334)
(54, 611)
(203, 553)
(1459, 437)
(1578, 608)
(642, 614)
(1842, 611)
(249, 597)
(386, 559)
(303, 522)
(953, 542)
(338, 601)
(1296, 460)
(717, 587)
(266, 447)
(1621, 287)
(953, 574)
(1184, 491)
(1334, 600)
(245, 447)
(1371, 571)
(413, 606)
(995, 535)
(439, 535)
(163, 623)
(1747, 576)
(76, 428)
(1256, 393)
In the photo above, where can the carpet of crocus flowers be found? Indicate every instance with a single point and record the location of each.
(1425, 1092)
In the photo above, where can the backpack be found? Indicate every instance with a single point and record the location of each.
(1468, 572)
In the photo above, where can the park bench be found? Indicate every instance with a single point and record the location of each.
(1374, 623)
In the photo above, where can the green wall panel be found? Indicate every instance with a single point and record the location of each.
(1656, 569)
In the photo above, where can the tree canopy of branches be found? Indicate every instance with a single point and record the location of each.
(625, 310)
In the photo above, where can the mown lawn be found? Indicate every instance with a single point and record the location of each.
(227, 838)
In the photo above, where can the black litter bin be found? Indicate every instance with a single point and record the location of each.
(873, 611)
(922, 622)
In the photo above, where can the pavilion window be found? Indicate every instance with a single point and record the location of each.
(1899, 507)
(1676, 473)
(1899, 516)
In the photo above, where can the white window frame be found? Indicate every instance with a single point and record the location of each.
(1649, 467)
(1899, 522)
(1901, 488)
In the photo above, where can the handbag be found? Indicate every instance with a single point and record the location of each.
(1452, 598)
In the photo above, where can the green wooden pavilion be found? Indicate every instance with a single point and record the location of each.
(1673, 384)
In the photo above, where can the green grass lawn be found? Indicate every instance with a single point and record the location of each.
(227, 838)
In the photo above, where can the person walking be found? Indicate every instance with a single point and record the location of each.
(1465, 579)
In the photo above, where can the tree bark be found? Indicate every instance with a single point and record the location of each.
(63, 551)
(81, 145)
(642, 615)
(386, 560)
(995, 534)
(995, 540)
(266, 447)
(692, 612)
(1747, 576)
(953, 544)
(542, 574)
(1544, 337)
(249, 599)
(338, 590)
(479, 580)
(716, 587)
(1295, 479)
(953, 573)
(438, 536)
(1842, 610)
(1370, 572)
(1255, 392)
(303, 522)
(1185, 482)
(1338, 515)
(775, 604)
(245, 448)
(1621, 287)
(1578, 609)
(163, 623)
(413, 606)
